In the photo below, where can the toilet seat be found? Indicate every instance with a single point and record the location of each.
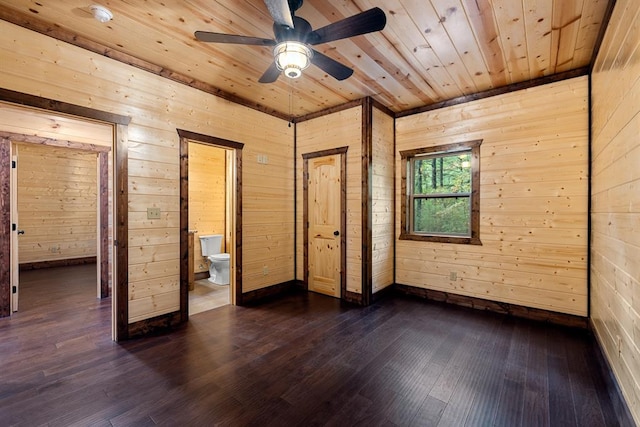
(219, 269)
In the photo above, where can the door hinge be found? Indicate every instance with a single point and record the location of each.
(14, 227)
(115, 243)
(14, 164)
(14, 290)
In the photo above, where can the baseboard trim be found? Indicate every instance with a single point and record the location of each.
(382, 293)
(201, 275)
(155, 325)
(611, 385)
(352, 298)
(260, 295)
(495, 306)
(27, 266)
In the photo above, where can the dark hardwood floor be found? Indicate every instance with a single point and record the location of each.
(299, 360)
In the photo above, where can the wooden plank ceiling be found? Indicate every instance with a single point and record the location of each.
(430, 50)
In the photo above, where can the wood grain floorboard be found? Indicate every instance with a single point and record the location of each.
(511, 399)
(300, 360)
(535, 410)
(562, 410)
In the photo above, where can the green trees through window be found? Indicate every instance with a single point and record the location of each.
(442, 194)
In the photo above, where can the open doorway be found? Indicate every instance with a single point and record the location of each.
(210, 222)
(57, 208)
(210, 205)
(60, 208)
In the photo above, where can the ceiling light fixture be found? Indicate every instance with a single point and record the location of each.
(101, 13)
(292, 57)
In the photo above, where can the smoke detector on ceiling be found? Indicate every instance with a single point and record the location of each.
(101, 13)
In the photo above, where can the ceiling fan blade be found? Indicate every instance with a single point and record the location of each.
(279, 11)
(206, 36)
(271, 75)
(366, 22)
(331, 66)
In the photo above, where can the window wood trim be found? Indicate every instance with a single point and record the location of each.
(405, 156)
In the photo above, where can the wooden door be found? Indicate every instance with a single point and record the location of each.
(324, 228)
(15, 271)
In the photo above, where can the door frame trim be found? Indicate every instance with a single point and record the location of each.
(185, 137)
(342, 151)
(5, 228)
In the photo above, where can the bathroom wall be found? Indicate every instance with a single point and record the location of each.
(615, 199)
(533, 199)
(207, 196)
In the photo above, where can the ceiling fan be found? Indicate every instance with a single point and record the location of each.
(294, 37)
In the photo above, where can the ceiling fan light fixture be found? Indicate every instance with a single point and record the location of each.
(292, 57)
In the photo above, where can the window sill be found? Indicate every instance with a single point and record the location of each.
(441, 239)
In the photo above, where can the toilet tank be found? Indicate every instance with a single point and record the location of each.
(210, 244)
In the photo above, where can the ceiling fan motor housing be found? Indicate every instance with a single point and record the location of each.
(301, 32)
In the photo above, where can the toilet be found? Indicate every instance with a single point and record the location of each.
(218, 262)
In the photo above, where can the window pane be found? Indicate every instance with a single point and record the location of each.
(446, 215)
(443, 174)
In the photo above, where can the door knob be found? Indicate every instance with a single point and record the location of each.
(20, 231)
(336, 233)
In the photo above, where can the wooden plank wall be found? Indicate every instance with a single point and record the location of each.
(383, 225)
(157, 107)
(615, 191)
(339, 129)
(57, 203)
(533, 203)
(267, 202)
(207, 192)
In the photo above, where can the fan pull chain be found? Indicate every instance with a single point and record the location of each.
(290, 103)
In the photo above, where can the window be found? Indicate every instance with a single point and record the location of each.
(441, 193)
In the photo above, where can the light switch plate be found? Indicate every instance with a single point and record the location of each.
(153, 213)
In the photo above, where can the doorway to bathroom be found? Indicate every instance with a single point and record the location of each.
(208, 213)
(210, 194)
